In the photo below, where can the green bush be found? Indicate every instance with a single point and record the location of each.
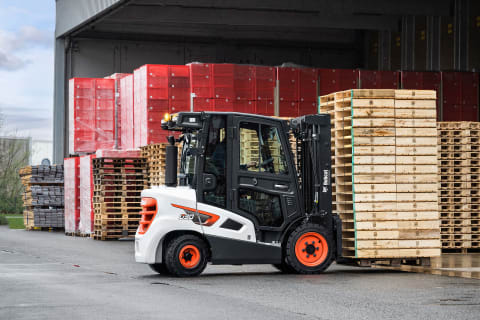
(3, 220)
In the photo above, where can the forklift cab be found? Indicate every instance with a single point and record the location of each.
(244, 164)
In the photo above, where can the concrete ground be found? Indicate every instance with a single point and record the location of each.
(50, 276)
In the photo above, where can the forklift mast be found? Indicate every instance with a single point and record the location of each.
(312, 134)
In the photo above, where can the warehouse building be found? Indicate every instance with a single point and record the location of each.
(99, 38)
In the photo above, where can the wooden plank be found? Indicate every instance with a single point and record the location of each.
(375, 150)
(375, 179)
(416, 160)
(374, 160)
(416, 132)
(375, 187)
(416, 187)
(373, 123)
(383, 103)
(414, 141)
(415, 104)
(377, 141)
(397, 244)
(374, 197)
(373, 93)
(415, 113)
(416, 169)
(399, 234)
(415, 123)
(398, 253)
(415, 94)
(416, 178)
(417, 196)
(374, 132)
(395, 215)
(370, 169)
(415, 150)
(417, 206)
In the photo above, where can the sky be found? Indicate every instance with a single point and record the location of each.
(26, 67)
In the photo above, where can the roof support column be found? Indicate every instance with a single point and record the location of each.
(60, 129)
(433, 43)
(408, 43)
(384, 50)
(460, 30)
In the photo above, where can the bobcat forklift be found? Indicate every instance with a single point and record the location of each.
(242, 196)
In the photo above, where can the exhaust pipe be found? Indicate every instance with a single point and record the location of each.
(171, 156)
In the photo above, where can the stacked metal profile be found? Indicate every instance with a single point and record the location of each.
(385, 172)
(118, 183)
(43, 196)
(459, 198)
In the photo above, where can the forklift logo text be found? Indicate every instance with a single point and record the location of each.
(186, 216)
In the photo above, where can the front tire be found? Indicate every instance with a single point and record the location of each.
(309, 249)
(186, 256)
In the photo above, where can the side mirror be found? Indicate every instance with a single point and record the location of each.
(209, 182)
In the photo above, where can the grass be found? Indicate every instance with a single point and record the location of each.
(15, 221)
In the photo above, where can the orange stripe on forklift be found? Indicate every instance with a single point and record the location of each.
(213, 217)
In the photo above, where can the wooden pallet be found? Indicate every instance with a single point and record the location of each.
(459, 191)
(384, 146)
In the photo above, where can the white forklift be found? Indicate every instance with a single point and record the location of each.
(243, 196)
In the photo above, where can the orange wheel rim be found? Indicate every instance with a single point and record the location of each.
(189, 256)
(311, 249)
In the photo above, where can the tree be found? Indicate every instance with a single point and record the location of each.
(14, 154)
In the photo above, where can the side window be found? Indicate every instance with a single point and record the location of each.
(215, 159)
(261, 149)
(265, 207)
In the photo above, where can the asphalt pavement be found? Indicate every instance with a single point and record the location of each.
(47, 275)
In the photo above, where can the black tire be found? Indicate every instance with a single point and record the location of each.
(173, 250)
(159, 268)
(322, 262)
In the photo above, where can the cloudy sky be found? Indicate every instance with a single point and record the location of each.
(26, 67)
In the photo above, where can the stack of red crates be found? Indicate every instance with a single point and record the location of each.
(86, 194)
(91, 114)
(158, 89)
(72, 194)
(118, 92)
(126, 112)
(297, 90)
(232, 87)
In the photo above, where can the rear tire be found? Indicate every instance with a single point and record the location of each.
(186, 256)
(309, 249)
(159, 268)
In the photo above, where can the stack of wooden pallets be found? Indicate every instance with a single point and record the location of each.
(43, 196)
(118, 183)
(384, 148)
(155, 154)
(459, 198)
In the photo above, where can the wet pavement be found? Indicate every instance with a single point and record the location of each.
(46, 275)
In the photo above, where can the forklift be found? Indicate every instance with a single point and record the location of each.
(243, 195)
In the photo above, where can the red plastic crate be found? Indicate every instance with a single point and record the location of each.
(307, 84)
(460, 96)
(333, 80)
(243, 82)
(200, 78)
(370, 79)
(244, 106)
(72, 194)
(307, 107)
(203, 104)
(126, 113)
(91, 114)
(223, 105)
(265, 107)
(222, 81)
(288, 109)
(264, 82)
(288, 83)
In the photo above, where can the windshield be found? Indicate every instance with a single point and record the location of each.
(187, 165)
